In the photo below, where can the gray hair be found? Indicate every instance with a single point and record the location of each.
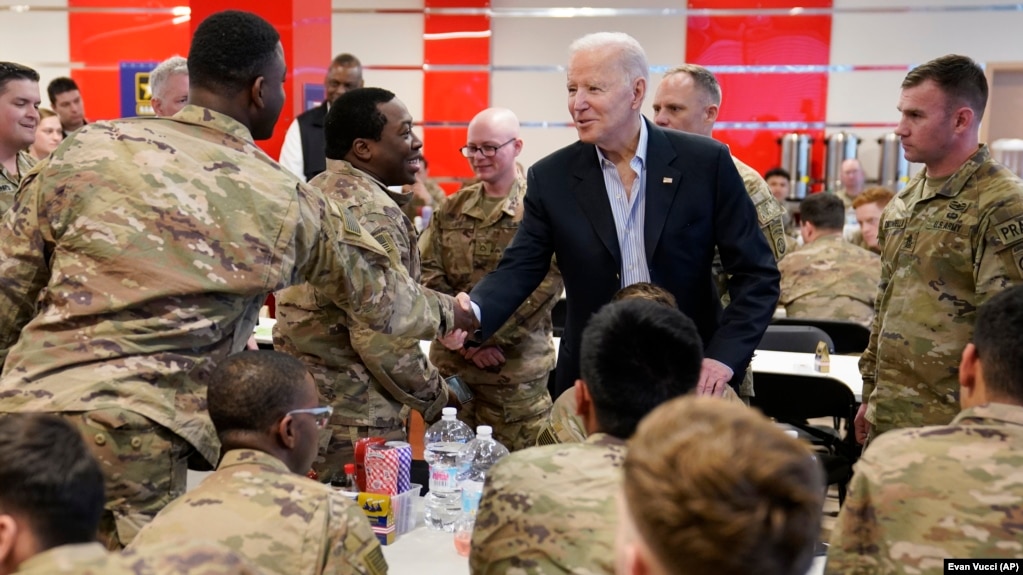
(703, 78)
(632, 58)
(166, 69)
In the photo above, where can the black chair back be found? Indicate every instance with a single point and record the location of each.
(849, 336)
(799, 338)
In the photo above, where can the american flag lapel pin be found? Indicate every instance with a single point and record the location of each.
(666, 180)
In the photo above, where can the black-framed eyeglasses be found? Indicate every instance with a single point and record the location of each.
(322, 414)
(488, 150)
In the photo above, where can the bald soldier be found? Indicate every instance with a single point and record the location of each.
(144, 247)
(688, 99)
(949, 241)
(465, 240)
(550, 510)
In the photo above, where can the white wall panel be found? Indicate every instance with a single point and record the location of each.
(916, 37)
(533, 96)
(38, 40)
(406, 84)
(544, 41)
(538, 142)
(379, 39)
(865, 96)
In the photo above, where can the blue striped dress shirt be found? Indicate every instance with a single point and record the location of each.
(629, 211)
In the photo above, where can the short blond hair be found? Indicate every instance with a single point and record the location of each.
(714, 487)
(647, 291)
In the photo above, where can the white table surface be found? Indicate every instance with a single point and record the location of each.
(424, 551)
(844, 368)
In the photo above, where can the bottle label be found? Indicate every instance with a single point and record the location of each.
(443, 478)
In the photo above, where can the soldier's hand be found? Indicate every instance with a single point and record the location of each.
(465, 319)
(454, 340)
(861, 425)
(714, 377)
(486, 356)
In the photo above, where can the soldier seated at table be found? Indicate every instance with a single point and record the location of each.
(565, 424)
(264, 406)
(715, 488)
(551, 509)
(828, 277)
(921, 496)
(51, 500)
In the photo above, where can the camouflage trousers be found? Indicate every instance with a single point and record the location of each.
(145, 466)
(337, 446)
(516, 411)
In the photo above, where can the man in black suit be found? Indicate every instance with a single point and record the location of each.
(304, 149)
(631, 202)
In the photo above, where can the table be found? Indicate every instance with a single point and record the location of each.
(844, 368)
(424, 551)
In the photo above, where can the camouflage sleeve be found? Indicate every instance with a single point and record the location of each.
(25, 245)
(348, 264)
(434, 276)
(352, 547)
(399, 365)
(868, 361)
(532, 311)
(855, 543)
(999, 260)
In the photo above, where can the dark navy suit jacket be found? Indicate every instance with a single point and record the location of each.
(695, 200)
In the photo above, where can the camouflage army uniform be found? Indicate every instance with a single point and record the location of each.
(283, 523)
(943, 254)
(142, 248)
(550, 510)
(461, 245)
(180, 557)
(565, 425)
(923, 495)
(415, 204)
(9, 182)
(771, 215)
(847, 200)
(368, 377)
(830, 278)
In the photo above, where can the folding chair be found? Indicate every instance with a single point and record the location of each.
(849, 336)
(793, 399)
(798, 338)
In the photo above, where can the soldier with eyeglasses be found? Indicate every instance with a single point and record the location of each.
(259, 503)
(465, 240)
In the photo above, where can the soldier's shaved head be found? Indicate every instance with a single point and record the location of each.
(252, 390)
(501, 120)
(494, 128)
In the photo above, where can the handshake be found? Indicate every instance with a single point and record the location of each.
(465, 324)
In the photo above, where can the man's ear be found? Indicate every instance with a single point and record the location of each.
(8, 539)
(968, 367)
(712, 113)
(362, 150)
(582, 398)
(256, 92)
(286, 431)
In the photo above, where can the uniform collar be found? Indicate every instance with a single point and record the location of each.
(511, 206)
(239, 457)
(206, 117)
(63, 558)
(344, 167)
(957, 181)
(605, 440)
(1002, 412)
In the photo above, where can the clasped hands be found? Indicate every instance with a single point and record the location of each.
(465, 323)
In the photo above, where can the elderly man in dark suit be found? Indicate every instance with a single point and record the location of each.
(630, 202)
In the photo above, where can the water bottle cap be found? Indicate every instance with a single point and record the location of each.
(484, 430)
(349, 468)
(448, 412)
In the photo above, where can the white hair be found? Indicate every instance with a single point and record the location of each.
(166, 69)
(631, 56)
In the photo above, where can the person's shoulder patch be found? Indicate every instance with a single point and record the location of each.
(385, 240)
(351, 224)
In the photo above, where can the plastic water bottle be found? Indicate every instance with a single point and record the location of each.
(475, 461)
(443, 443)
